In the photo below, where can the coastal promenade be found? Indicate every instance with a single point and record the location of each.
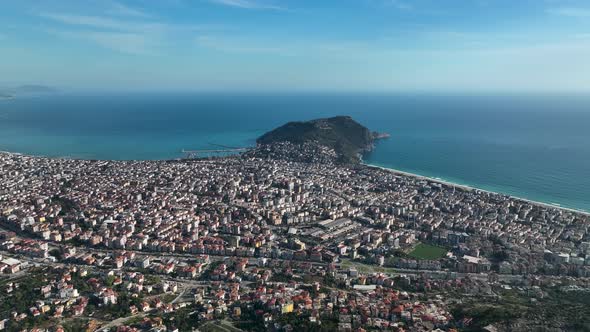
(466, 187)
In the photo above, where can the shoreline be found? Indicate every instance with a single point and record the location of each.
(113, 160)
(470, 188)
(365, 164)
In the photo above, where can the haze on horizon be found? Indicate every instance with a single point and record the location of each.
(353, 45)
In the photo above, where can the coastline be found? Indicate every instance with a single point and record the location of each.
(392, 170)
(471, 188)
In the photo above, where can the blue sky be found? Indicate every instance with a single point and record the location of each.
(333, 45)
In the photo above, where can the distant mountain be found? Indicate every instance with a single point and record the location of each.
(26, 90)
(347, 137)
(33, 89)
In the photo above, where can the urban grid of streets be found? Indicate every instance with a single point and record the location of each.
(252, 239)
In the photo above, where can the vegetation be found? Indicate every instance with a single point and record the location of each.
(525, 310)
(485, 314)
(218, 326)
(22, 298)
(210, 268)
(251, 321)
(427, 252)
(67, 205)
(499, 256)
(281, 277)
(346, 136)
(185, 319)
(122, 308)
(301, 322)
(74, 325)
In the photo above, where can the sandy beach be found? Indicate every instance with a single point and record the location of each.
(465, 187)
(431, 179)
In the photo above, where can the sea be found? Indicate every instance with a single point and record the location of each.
(530, 146)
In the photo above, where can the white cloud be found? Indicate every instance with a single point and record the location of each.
(247, 4)
(570, 11)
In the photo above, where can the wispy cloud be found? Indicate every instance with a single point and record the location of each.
(248, 4)
(99, 22)
(124, 10)
(122, 42)
(124, 36)
(120, 28)
(293, 48)
(570, 11)
(238, 46)
(399, 4)
(111, 23)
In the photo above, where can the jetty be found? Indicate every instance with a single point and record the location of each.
(192, 154)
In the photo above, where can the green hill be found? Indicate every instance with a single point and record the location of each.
(347, 137)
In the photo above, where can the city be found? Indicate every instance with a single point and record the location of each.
(294, 166)
(279, 238)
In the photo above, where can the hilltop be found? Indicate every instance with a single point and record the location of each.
(348, 138)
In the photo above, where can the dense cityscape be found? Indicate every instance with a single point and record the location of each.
(280, 238)
(294, 166)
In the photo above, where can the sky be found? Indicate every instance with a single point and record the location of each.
(288, 45)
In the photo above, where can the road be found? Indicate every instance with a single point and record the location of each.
(120, 321)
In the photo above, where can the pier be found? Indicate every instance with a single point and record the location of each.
(192, 154)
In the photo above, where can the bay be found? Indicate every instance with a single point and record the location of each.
(534, 146)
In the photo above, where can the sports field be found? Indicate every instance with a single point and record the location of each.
(425, 251)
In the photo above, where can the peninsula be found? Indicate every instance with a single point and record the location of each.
(280, 238)
(348, 138)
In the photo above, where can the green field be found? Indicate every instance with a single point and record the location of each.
(425, 251)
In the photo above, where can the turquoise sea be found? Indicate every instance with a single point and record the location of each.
(535, 147)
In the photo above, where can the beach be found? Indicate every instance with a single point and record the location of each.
(470, 188)
(413, 175)
(530, 147)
